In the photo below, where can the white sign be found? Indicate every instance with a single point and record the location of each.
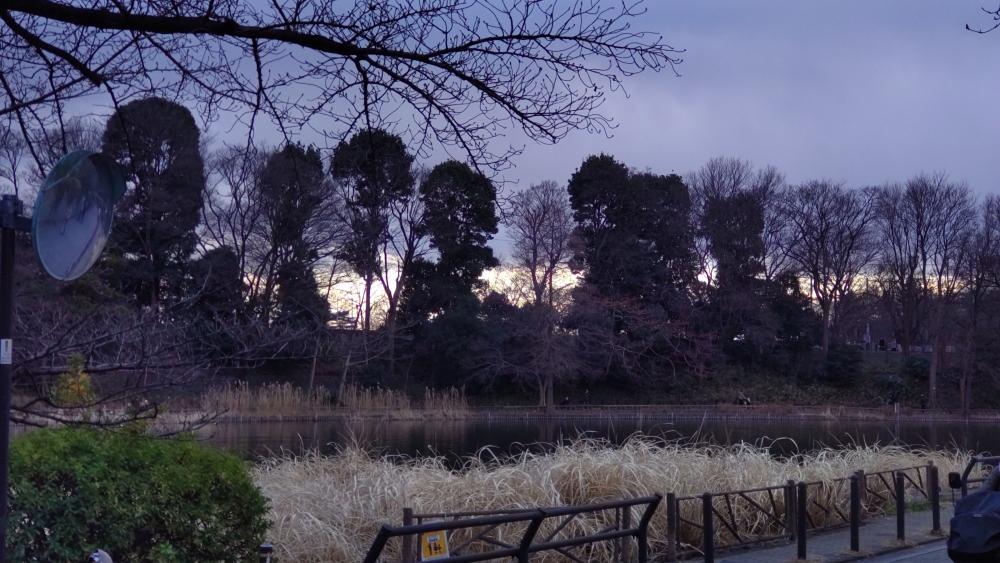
(6, 351)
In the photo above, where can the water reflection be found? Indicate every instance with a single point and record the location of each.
(464, 438)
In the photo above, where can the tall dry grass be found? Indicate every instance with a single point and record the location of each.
(329, 508)
(266, 400)
(285, 399)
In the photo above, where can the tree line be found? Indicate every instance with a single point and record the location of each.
(365, 265)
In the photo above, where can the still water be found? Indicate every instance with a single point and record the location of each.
(456, 439)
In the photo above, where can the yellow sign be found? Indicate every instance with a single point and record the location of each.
(434, 546)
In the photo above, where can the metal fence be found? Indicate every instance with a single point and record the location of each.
(520, 533)
(696, 525)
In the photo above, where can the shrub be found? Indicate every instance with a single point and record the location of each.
(890, 387)
(915, 368)
(73, 490)
(74, 387)
(843, 365)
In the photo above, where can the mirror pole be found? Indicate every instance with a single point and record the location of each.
(9, 212)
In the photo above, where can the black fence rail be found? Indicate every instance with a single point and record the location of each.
(520, 533)
(696, 525)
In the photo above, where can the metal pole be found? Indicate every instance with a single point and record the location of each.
(863, 480)
(408, 538)
(790, 509)
(855, 513)
(8, 208)
(935, 494)
(671, 527)
(707, 528)
(626, 525)
(900, 508)
(800, 516)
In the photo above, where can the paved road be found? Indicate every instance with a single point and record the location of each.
(933, 553)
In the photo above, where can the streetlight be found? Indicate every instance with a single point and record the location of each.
(69, 228)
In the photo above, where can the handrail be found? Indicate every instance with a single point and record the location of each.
(534, 518)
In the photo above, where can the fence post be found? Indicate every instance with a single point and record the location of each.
(708, 528)
(642, 536)
(935, 496)
(523, 551)
(672, 531)
(900, 507)
(790, 509)
(377, 546)
(855, 513)
(800, 516)
(407, 539)
(863, 480)
(626, 525)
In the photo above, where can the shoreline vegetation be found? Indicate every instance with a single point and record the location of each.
(329, 508)
(240, 402)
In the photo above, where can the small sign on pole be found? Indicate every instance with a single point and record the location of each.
(434, 546)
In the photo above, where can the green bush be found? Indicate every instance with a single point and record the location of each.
(73, 490)
(915, 368)
(843, 365)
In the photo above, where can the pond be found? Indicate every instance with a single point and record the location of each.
(459, 438)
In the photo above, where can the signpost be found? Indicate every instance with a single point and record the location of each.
(70, 226)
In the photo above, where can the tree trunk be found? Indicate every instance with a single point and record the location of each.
(550, 403)
(932, 373)
(368, 314)
(826, 329)
(343, 379)
(312, 369)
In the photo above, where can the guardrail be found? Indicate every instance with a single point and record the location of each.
(696, 525)
(490, 537)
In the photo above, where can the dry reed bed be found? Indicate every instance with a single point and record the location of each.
(284, 399)
(329, 508)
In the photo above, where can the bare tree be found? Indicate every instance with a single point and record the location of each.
(924, 232)
(540, 222)
(237, 214)
(979, 277)
(460, 70)
(831, 241)
(404, 243)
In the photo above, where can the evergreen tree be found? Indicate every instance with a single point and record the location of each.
(157, 142)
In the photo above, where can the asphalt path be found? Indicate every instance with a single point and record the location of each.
(932, 553)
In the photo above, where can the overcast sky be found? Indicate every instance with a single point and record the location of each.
(862, 91)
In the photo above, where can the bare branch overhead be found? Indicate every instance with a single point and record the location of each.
(451, 72)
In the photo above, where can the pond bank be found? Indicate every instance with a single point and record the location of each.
(664, 413)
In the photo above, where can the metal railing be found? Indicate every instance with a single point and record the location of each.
(696, 519)
(520, 533)
(695, 524)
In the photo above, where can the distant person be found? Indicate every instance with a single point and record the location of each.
(586, 396)
(564, 402)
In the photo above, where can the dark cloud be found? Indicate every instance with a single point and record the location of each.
(859, 91)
